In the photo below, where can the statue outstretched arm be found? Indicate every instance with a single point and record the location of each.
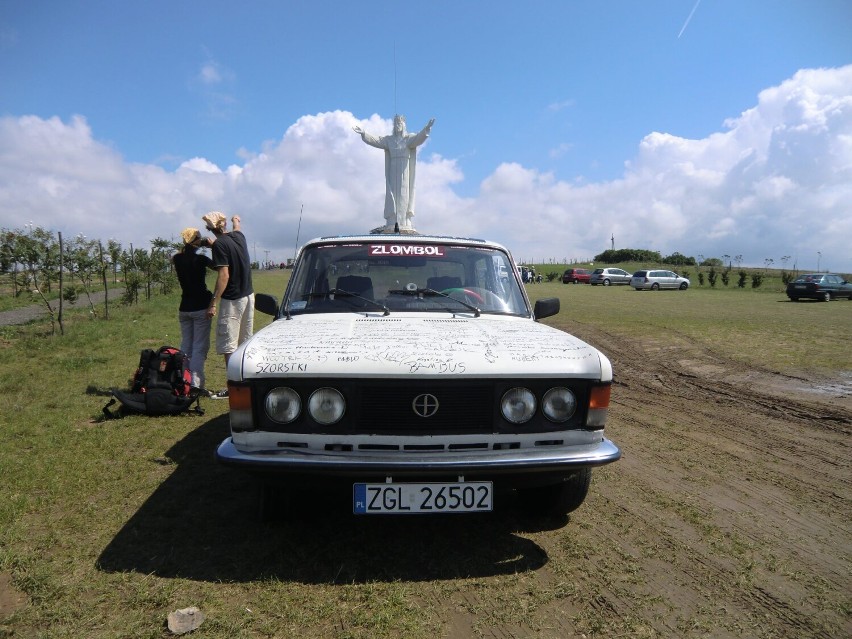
(372, 140)
(420, 138)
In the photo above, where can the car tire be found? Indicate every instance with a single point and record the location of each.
(559, 499)
(655, 287)
(826, 297)
(794, 299)
(606, 282)
(684, 286)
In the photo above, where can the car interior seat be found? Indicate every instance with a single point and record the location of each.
(356, 284)
(443, 282)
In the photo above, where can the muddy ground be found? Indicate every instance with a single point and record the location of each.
(728, 515)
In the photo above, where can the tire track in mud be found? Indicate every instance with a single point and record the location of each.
(728, 515)
(737, 483)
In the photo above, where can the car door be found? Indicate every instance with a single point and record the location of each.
(620, 277)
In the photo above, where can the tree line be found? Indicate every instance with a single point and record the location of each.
(51, 269)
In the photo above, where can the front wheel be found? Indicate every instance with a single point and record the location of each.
(683, 286)
(557, 499)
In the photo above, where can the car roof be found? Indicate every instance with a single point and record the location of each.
(404, 238)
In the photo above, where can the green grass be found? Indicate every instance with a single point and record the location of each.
(107, 526)
(759, 327)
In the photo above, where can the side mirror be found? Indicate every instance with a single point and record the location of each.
(546, 307)
(266, 304)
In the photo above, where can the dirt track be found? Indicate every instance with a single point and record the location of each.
(728, 516)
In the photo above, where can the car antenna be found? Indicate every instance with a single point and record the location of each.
(298, 230)
(295, 253)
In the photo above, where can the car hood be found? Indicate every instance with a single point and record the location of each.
(350, 345)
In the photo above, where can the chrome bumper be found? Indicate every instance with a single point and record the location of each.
(491, 463)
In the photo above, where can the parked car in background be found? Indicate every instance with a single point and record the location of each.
(607, 276)
(576, 275)
(819, 286)
(647, 280)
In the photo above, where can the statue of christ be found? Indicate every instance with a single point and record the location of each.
(400, 158)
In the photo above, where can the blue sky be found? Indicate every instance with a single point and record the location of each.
(710, 128)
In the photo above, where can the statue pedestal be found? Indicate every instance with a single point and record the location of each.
(385, 230)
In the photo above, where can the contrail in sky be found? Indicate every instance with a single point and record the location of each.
(683, 28)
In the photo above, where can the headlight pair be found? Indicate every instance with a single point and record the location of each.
(325, 405)
(518, 405)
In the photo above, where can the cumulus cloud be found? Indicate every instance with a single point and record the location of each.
(775, 180)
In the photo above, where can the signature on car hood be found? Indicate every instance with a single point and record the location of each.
(344, 345)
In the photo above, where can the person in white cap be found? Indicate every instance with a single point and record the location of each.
(234, 291)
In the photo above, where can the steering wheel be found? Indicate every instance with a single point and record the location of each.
(467, 293)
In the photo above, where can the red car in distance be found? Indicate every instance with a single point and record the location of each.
(576, 276)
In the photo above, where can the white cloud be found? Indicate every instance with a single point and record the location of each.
(214, 83)
(776, 181)
(209, 73)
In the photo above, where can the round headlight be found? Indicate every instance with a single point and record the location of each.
(326, 405)
(558, 404)
(518, 405)
(283, 405)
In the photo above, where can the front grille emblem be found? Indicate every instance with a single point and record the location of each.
(425, 405)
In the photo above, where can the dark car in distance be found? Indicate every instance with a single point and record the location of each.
(576, 276)
(819, 286)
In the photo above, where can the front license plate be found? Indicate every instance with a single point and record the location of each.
(408, 498)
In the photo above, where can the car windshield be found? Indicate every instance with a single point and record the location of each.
(395, 276)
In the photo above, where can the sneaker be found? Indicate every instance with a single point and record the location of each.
(222, 394)
(197, 391)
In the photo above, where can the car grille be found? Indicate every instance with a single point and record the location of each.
(460, 409)
(388, 406)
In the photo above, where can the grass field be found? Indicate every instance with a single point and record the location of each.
(107, 526)
(760, 327)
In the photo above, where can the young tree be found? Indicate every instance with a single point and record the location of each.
(83, 262)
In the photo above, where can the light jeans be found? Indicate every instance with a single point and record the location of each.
(235, 323)
(195, 342)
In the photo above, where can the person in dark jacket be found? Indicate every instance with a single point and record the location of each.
(191, 268)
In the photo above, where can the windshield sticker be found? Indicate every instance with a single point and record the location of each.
(406, 249)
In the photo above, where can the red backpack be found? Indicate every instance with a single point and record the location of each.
(160, 386)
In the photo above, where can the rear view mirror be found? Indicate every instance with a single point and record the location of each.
(266, 304)
(546, 307)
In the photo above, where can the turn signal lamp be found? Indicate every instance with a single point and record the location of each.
(598, 405)
(239, 400)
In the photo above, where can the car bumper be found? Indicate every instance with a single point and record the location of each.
(552, 461)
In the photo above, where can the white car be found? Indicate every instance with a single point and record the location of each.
(405, 371)
(648, 280)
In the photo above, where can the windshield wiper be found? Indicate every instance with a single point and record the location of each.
(432, 291)
(340, 291)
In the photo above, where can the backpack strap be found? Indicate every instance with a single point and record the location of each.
(109, 414)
